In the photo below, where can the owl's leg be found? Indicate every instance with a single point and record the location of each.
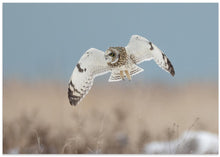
(128, 75)
(122, 75)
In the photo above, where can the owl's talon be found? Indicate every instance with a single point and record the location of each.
(128, 75)
(122, 75)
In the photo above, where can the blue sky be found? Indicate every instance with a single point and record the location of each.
(45, 41)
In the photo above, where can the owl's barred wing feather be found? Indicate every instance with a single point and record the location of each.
(140, 49)
(90, 65)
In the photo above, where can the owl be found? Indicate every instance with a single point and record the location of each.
(122, 62)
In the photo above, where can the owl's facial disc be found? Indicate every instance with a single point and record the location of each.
(111, 56)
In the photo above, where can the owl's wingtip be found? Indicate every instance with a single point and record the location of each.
(73, 98)
(73, 103)
(172, 73)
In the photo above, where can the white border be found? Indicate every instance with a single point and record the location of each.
(87, 1)
(111, 1)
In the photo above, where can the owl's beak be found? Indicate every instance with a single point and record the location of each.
(106, 57)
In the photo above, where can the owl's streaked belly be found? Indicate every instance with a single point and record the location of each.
(128, 64)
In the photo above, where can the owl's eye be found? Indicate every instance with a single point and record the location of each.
(112, 54)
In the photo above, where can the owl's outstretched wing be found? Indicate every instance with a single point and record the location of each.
(140, 49)
(90, 65)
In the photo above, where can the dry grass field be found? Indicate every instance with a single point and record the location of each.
(37, 117)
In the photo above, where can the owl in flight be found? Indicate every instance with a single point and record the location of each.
(120, 61)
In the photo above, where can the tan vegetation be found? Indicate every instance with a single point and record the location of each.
(37, 117)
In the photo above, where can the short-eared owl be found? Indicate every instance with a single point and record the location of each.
(120, 61)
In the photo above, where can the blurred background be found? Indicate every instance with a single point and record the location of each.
(42, 43)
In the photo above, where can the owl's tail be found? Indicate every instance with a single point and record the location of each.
(135, 70)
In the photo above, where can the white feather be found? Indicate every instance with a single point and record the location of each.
(90, 65)
(142, 49)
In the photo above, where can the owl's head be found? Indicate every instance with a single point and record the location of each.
(112, 55)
